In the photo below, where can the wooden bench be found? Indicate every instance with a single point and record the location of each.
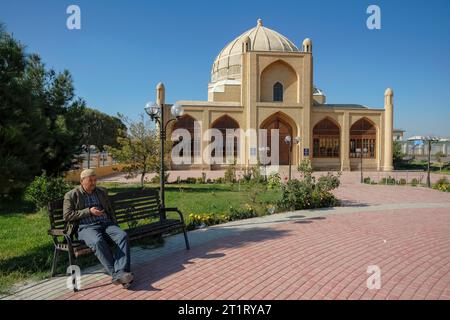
(140, 209)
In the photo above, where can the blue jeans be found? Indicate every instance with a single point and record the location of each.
(95, 236)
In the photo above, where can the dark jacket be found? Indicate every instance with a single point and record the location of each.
(74, 207)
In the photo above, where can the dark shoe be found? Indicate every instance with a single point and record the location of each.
(127, 285)
(124, 278)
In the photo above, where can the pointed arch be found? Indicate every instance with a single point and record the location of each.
(187, 122)
(223, 123)
(363, 136)
(283, 73)
(286, 126)
(326, 139)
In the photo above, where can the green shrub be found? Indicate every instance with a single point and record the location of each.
(44, 189)
(296, 195)
(323, 199)
(307, 193)
(246, 212)
(402, 181)
(367, 180)
(190, 180)
(442, 180)
(156, 179)
(230, 173)
(442, 185)
(328, 182)
(199, 180)
(274, 181)
(388, 180)
(219, 180)
(203, 220)
(414, 182)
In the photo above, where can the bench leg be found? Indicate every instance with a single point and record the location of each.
(186, 238)
(73, 261)
(55, 262)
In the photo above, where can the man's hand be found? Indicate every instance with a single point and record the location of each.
(95, 212)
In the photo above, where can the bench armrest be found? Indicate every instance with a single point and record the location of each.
(57, 232)
(174, 210)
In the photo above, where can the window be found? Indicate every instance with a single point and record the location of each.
(277, 92)
(326, 140)
(363, 136)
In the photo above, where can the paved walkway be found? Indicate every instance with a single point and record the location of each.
(309, 254)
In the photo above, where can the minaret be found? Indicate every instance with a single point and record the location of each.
(388, 129)
(307, 45)
(160, 100)
(160, 94)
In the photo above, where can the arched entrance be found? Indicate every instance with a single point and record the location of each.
(326, 137)
(229, 147)
(279, 121)
(187, 122)
(363, 135)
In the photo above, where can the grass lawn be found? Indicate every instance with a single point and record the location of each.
(422, 166)
(26, 250)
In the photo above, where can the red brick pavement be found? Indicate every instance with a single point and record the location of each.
(323, 258)
(380, 194)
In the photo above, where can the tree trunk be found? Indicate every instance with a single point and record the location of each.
(142, 179)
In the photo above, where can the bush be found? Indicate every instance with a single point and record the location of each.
(204, 220)
(246, 212)
(44, 189)
(402, 181)
(156, 179)
(219, 180)
(442, 185)
(307, 193)
(414, 182)
(274, 181)
(367, 180)
(328, 182)
(388, 180)
(190, 180)
(323, 199)
(230, 173)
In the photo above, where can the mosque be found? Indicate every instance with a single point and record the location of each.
(262, 80)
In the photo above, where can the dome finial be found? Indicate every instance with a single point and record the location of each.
(259, 21)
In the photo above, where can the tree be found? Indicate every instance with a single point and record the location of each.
(138, 150)
(101, 130)
(397, 153)
(40, 117)
(53, 94)
(439, 157)
(21, 130)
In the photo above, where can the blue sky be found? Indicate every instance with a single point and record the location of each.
(124, 48)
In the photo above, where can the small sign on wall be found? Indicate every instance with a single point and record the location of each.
(306, 152)
(252, 151)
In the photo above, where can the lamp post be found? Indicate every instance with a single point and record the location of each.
(264, 150)
(156, 113)
(361, 153)
(288, 141)
(430, 141)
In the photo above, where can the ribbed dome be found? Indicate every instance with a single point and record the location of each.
(228, 63)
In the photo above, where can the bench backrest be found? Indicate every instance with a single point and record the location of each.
(136, 205)
(128, 206)
(55, 213)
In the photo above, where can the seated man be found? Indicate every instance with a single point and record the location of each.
(88, 208)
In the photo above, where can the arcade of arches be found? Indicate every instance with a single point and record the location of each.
(263, 80)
